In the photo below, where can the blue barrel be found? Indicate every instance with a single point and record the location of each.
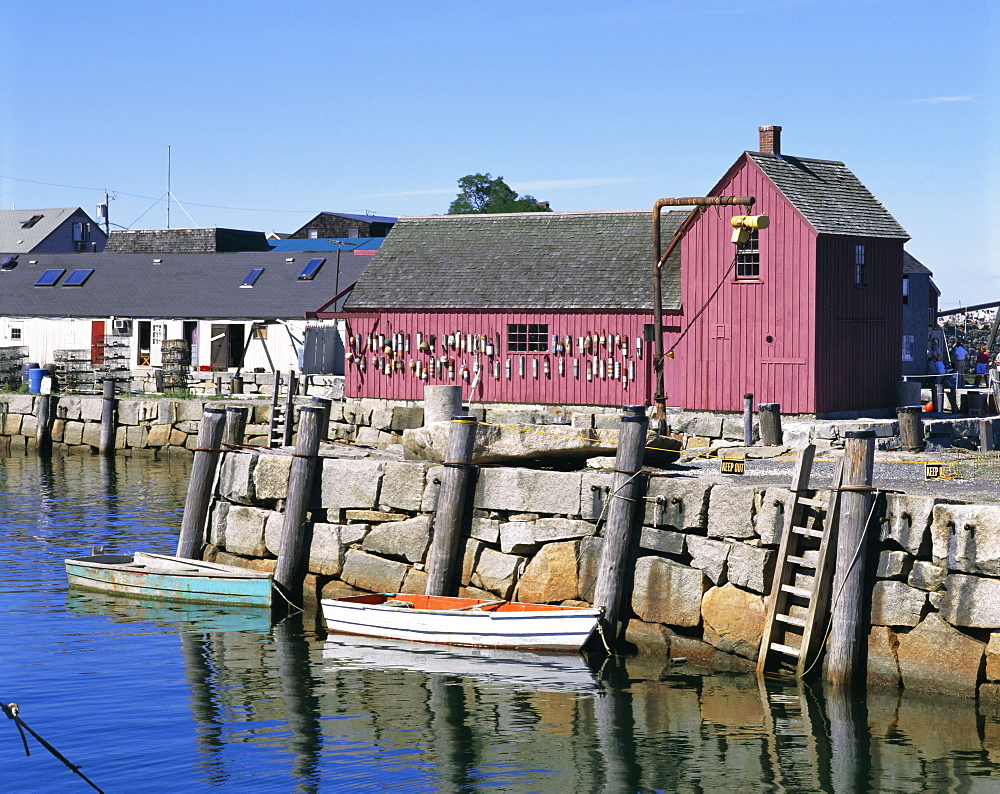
(35, 380)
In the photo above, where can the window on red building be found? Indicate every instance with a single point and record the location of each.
(748, 257)
(528, 337)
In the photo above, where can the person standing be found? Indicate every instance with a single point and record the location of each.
(960, 354)
(982, 365)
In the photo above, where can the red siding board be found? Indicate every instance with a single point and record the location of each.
(534, 386)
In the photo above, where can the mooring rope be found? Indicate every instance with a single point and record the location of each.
(12, 711)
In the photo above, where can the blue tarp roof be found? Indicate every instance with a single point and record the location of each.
(326, 244)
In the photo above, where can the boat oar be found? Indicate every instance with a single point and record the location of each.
(11, 710)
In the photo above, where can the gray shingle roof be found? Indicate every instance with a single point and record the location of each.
(15, 239)
(913, 265)
(533, 260)
(829, 196)
(181, 286)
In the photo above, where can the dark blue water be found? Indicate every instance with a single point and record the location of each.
(147, 697)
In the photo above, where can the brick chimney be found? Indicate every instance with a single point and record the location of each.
(770, 139)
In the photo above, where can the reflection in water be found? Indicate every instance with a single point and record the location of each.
(218, 697)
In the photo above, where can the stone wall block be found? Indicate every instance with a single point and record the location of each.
(517, 537)
(471, 549)
(588, 565)
(236, 477)
(29, 426)
(406, 418)
(883, 666)
(750, 568)
(683, 504)
(528, 490)
(733, 620)
(68, 407)
(485, 529)
(136, 437)
(730, 512)
(158, 435)
(710, 557)
(993, 657)
(926, 576)
(92, 434)
(326, 552)
(218, 515)
(967, 538)
(244, 531)
(12, 424)
(428, 502)
(20, 404)
(549, 530)
(497, 572)
(935, 657)
(274, 529)
(351, 483)
(72, 434)
(371, 573)
(121, 435)
(897, 604)
(270, 476)
(166, 412)
(91, 408)
(190, 410)
(661, 540)
(595, 486)
(893, 565)
(971, 601)
(667, 592)
(403, 485)
(551, 575)
(772, 514)
(908, 522)
(401, 540)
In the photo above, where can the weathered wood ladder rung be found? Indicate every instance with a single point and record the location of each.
(276, 424)
(802, 572)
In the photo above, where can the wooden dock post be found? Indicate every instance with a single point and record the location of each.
(769, 419)
(625, 493)
(911, 428)
(43, 432)
(987, 443)
(448, 519)
(108, 406)
(236, 425)
(324, 421)
(748, 420)
(939, 398)
(293, 552)
(199, 495)
(849, 629)
(236, 384)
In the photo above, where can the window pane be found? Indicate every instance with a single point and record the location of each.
(49, 277)
(252, 277)
(310, 269)
(78, 277)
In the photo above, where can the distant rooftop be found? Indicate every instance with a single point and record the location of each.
(185, 241)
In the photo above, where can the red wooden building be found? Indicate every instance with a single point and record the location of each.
(555, 308)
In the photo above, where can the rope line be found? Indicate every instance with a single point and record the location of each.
(12, 711)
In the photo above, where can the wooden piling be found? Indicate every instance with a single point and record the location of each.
(626, 491)
(987, 442)
(42, 431)
(289, 429)
(293, 552)
(108, 406)
(199, 495)
(236, 384)
(769, 420)
(236, 425)
(324, 422)
(939, 398)
(449, 517)
(748, 420)
(911, 428)
(849, 629)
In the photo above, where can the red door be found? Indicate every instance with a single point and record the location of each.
(97, 342)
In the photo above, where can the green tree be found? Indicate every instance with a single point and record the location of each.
(483, 193)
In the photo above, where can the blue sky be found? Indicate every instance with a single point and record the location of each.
(276, 111)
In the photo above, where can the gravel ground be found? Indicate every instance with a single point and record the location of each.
(894, 471)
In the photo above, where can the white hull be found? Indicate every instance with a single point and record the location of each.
(565, 630)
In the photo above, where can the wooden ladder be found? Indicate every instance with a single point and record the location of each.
(800, 591)
(794, 735)
(276, 425)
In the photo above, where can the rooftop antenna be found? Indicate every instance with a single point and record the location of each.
(168, 186)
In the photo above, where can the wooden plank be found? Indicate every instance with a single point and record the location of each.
(812, 533)
(802, 561)
(798, 591)
(791, 620)
(788, 650)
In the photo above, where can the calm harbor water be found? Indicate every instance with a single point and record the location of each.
(159, 698)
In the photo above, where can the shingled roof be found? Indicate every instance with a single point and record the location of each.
(829, 196)
(530, 261)
(173, 285)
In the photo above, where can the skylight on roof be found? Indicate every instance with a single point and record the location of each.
(311, 268)
(31, 221)
(78, 277)
(8, 263)
(50, 277)
(251, 278)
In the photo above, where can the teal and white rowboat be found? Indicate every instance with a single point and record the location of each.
(164, 578)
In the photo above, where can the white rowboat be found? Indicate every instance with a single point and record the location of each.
(461, 621)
